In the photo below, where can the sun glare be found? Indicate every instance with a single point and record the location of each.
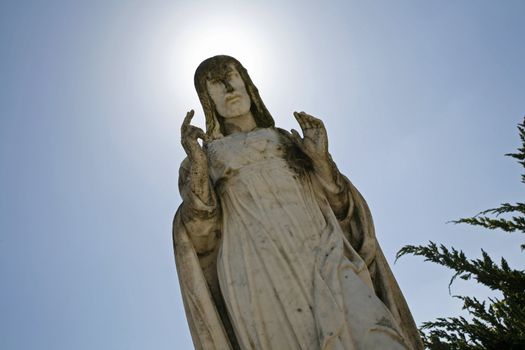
(227, 36)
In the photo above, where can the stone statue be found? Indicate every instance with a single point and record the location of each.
(275, 248)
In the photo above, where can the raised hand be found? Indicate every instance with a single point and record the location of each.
(315, 141)
(315, 145)
(189, 139)
(198, 175)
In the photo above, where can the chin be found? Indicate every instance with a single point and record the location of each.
(236, 114)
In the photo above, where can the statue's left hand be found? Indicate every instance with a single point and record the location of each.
(315, 145)
(315, 141)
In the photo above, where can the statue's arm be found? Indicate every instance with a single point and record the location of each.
(314, 144)
(201, 220)
(334, 185)
(200, 211)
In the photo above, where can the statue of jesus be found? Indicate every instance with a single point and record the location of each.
(275, 248)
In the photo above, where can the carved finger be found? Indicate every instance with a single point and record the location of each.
(309, 121)
(300, 120)
(289, 134)
(188, 117)
(296, 115)
(309, 116)
(312, 121)
(199, 133)
(296, 137)
(304, 120)
(190, 134)
(318, 122)
(194, 132)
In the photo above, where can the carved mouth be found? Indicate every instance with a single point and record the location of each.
(232, 98)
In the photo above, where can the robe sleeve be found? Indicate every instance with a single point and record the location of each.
(335, 189)
(197, 269)
(200, 219)
(206, 327)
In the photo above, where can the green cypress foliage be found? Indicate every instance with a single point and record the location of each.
(496, 323)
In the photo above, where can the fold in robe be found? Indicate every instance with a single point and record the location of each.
(226, 290)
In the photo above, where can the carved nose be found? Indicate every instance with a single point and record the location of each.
(227, 85)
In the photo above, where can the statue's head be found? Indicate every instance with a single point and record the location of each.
(220, 69)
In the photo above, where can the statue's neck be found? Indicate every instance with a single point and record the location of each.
(242, 123)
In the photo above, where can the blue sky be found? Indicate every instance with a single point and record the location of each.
(420, 99)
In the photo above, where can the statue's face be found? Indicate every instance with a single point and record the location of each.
(228, 92)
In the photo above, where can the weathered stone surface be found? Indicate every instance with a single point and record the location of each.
(275, 249)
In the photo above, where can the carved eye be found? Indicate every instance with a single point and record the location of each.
(232, 74)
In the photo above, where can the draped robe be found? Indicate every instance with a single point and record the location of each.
(284, 271)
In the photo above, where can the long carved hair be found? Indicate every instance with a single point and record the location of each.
(217, 66)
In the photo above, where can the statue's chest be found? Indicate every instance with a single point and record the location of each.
(240, 150)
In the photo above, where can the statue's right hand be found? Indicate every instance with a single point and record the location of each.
(189, 138)
(199, 182)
